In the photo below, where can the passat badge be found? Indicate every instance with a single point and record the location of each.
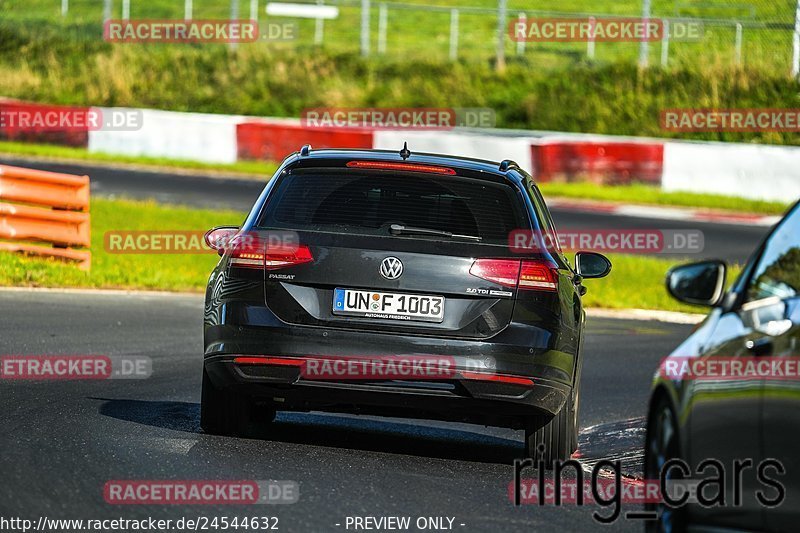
(391, 268)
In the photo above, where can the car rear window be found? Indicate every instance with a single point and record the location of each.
(369, 203)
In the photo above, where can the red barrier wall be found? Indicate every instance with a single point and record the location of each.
(599, 162)
(72, 133)
(274, 141)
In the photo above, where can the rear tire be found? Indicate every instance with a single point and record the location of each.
(661, 445)
(554, 439)
(230, 413)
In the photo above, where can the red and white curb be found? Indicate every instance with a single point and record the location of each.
(663, 213)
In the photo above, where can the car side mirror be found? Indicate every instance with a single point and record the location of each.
(590, 265)
(700, 283)
(218, 238)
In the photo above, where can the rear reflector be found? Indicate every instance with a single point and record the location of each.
(275, 361)
(498, 378)
(527, 275)
(404, 167)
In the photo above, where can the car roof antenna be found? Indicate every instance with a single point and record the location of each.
(405, 153)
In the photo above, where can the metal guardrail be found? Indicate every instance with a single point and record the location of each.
(47, 208)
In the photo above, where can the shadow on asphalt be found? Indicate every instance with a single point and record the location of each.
(314, 429)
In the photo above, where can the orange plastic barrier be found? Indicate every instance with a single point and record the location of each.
(51, 208)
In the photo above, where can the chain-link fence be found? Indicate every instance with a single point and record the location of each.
(755, 34)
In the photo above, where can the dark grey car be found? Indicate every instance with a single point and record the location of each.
(396, 256)
(732, 396)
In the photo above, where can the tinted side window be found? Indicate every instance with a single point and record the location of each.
(548, 226)
(777, 273)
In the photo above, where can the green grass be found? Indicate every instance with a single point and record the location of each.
(612, 98)
(552, 86)
(170, 272)
(421, 33)
(647, 194)
(260, 169)
(635, 282)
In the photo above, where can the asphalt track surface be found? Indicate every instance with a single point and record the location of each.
(61, 441)
(730, 242)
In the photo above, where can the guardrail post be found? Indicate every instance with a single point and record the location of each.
(254, 10)
(644, 49)
(665, 45)
(738, 43)
(796, 42)
(590, 42)
(365, 12)
(383, 15)
(521, 43)
(453, 34)
(502, 13)
(319, 26)
(107, 10)
(234, 16)
(187, 10)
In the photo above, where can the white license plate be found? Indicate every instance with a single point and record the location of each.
(388, 305)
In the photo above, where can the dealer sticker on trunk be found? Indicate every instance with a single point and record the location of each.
(388, 305)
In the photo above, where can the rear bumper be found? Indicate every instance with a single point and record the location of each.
(237, 327)
(495, 403)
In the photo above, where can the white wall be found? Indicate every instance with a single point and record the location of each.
(747, 170)
(478, 146)
(193, 136)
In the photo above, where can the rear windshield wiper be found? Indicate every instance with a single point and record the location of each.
(399, 229)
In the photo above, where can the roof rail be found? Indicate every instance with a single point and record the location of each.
(507, 164)
(305, 150)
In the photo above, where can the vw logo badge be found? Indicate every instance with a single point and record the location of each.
(391, 268)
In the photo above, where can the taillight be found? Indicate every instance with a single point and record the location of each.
(280, 257)
(501, 271)
(537, 275)
(247, 251)
(252, 252)
(527, 275)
